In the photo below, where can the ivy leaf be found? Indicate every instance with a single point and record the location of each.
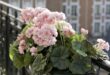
(39, 63)
(18, 60)
(80, 66)
(28, 59)
(59, 57)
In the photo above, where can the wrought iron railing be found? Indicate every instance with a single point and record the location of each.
(10, 26)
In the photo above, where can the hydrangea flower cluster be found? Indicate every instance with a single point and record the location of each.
(44, 27)
(102, 44)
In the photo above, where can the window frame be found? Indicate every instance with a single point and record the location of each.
(96, 33)
(69, 7)
(97, 18)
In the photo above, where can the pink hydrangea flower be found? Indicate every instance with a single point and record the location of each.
(48, 17)
(66, 28)
(20, 37)
(39, 10)
(45, 36)
(27, 14)
(69, 32)
(101, 41)
(102, 44)
(33, 50)
(29, 32)
(107, 46)
(22, 46)
(22, 43)
(84, 31)
(59, 15)
(41, 19)
(21, 49)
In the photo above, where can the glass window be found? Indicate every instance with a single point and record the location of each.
(74, 25)
(70, 8)
(40, 3)
(15, 2)
(74, 10)
(97, 27)
(107, 9)
(64, 9)
(107, 25)
(97, 10)
(27, 3)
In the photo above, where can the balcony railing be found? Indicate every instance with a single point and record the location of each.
(10, 26)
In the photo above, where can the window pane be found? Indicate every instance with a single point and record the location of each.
(26, 3)
(74, 25)
(107, 25)
(97, 27)
(97, 10)
(107, 9)
(40, 3)
(74, 10)
(64, 9)
(15, 2)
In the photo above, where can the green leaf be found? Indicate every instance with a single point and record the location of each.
(79, 48)
(40, 48)
(59, 57)
(101, 55)
(80, 66)
(26, 27)
(78, 37)
(29, 42)
(12, 50)
(39, 63)
(18, 60)
(28, 59)
(91, 51)
(48, 68)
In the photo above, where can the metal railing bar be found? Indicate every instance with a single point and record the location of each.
(12, 16)
(10, 6)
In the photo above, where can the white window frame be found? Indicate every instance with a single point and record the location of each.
(93, 26)
(68, 7)
(105, 18)
(106, 3)
(96, 3)
(94, 17)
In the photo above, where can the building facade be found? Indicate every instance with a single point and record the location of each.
(93, 15)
